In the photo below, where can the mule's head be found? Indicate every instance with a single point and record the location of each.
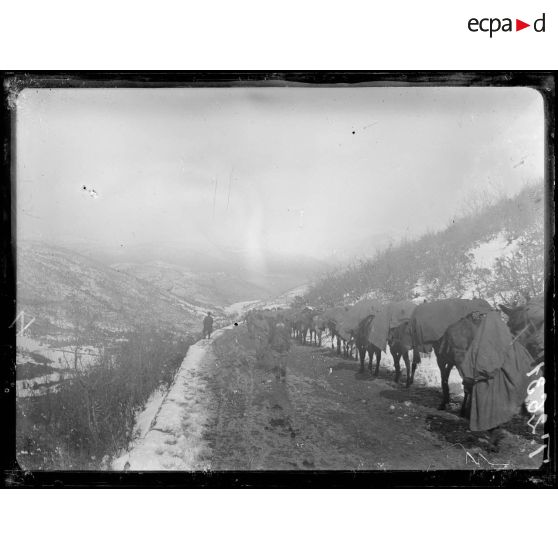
(516, 318)
(528, 332)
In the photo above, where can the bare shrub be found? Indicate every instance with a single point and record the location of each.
(92, 415)
(441, 261)
(520, 276)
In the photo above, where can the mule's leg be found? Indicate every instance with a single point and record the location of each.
(407, 368)
(416, 362)
(396, 363)
(378, 354)
(445, 369)
(466, 405)
(362, 354)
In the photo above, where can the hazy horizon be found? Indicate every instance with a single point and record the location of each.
(320, 172)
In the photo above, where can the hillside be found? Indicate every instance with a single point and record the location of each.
(217, 288)
(494, 252)
(62, 289)
(233, 282)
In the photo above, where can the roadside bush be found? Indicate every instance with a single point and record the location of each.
(91, 417)
(520, 276)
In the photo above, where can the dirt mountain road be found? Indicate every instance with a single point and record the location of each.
(328, 416)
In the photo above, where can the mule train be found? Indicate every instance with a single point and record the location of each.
(492, 358)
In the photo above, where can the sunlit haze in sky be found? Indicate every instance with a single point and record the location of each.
(311, 171)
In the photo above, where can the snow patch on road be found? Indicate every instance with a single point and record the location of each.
(145, 418)
(171, 428)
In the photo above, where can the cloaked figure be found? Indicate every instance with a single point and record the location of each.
(280, 344)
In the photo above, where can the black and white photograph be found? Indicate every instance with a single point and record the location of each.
(280, 275)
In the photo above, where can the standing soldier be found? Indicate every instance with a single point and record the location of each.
(207, 325)
(280, 344)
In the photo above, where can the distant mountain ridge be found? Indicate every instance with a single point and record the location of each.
(211, 258)
(203, 288)
(58, 286)
(55, 284)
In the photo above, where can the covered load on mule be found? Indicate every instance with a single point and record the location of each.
(334, 318)
(354, 315)
(389, 316)
(494, 370)
(430, 320)
(335, 315)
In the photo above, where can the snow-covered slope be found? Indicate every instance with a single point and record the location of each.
(209, 289)
(57, 287)
(496, 253)
(170, 429)
(486, 253)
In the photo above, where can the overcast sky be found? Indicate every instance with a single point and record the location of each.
(305, 170)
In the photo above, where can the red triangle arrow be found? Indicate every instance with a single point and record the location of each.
(519, 25)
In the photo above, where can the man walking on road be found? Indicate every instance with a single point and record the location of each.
(207, 325)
